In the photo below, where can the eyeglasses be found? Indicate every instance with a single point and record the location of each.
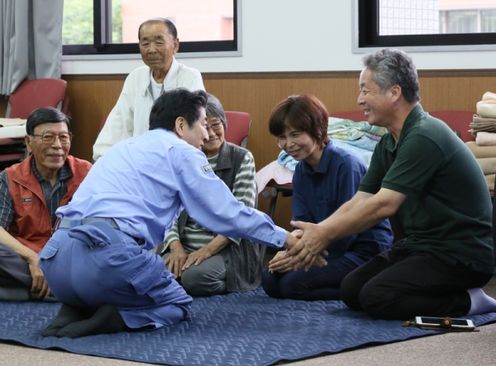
(215, 125)
(48, 138)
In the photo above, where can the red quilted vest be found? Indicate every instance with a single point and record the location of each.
(32, 223)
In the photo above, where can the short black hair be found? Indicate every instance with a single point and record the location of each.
(168, 23)
(45, 115)
(176, 103)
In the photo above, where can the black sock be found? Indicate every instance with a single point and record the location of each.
(66, 315)
(106, 319)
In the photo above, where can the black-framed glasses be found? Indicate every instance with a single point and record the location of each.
(48, 137)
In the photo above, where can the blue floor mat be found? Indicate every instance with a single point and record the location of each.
(236, 329)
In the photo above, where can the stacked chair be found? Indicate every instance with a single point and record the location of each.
(238, 127)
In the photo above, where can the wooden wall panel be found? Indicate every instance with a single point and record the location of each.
(92, 97)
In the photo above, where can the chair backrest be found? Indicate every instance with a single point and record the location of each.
(32, 94)
(458, 121)
(238, 127)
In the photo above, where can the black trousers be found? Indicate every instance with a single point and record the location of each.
(401, 284)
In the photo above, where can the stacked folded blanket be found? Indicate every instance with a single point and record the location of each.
(483, 127)
(485, 120)
(486, 156)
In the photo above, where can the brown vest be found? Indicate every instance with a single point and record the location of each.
(32, 223)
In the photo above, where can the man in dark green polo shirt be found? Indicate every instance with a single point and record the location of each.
(422, 173)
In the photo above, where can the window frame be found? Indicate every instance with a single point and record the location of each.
(102, 32)
(366, 35)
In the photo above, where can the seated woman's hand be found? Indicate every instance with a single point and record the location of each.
(197, 257)
(281, 262)
(176, 258)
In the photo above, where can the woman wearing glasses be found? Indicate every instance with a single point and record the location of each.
(204, 262)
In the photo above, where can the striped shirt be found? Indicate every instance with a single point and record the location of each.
(53, 194)
(244, 189)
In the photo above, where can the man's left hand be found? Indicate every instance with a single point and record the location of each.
(309, 248)
(39, 286)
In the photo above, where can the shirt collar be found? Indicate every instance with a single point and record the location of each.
(411, 120)
(323, 165)
(170, 74)
(63, 174)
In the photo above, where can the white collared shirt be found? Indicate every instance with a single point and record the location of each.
(130, 115)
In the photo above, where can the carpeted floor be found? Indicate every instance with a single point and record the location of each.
(235, 329)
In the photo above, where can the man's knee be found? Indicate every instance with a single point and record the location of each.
(349, 292)
(378, 301)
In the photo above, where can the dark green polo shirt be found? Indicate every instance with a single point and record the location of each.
(448, 208)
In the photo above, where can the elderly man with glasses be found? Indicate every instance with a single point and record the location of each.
(30, 192)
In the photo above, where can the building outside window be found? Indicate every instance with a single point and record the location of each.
(111, 26)
(404, 17)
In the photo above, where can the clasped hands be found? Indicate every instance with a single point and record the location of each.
(306, 247)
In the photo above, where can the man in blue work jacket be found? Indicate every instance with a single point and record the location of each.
(99, 264)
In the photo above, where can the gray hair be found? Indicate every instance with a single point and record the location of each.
(215, 109)
(394, 67)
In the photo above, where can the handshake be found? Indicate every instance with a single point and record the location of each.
(305, 247)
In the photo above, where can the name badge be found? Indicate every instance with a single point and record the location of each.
(206, 168)
(28, 199)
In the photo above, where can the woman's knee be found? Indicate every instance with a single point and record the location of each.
(199, 283)
(270, 284)
(292, 286)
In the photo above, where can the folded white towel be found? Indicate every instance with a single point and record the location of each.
(485, 138)
(486, 109)
(489, 97)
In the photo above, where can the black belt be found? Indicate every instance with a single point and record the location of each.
(67, 223)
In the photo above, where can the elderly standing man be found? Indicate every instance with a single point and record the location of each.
(425, 175)
(158, 43)
(30, 192)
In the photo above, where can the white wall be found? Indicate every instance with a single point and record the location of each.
(292, 35)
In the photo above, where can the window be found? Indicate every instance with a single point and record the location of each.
(395, 23)
(111, 26)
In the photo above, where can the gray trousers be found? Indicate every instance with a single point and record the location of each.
(206, 279)
(15, 277)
